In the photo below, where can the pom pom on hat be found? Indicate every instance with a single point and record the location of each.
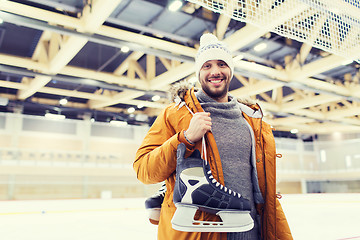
(212, 49)
(207, 39)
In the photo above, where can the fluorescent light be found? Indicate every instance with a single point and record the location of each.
(55, 116)
(175, 5)
(63, 101)
(131, 110)
(125, 49)
(337, 136)
(1, 21)
(323, 156)
(260, 47)
(118, 123)
(348, 160)
(294, 131)
(155, 98)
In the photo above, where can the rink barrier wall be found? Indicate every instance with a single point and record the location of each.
(56, 159)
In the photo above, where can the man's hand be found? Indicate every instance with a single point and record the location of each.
(199, 125)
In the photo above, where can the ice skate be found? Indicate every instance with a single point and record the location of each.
(153, 205)
(196, 189)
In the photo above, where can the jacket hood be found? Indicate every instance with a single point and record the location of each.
(178, 90)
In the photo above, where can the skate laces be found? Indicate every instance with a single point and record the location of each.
(222, 187)
(161, 192)
(204, 157)
(203, 145)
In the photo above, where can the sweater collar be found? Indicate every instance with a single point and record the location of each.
(204, 98)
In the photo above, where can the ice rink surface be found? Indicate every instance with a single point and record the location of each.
(311, 217)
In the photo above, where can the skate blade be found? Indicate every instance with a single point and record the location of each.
(153, 214)
(232, 221)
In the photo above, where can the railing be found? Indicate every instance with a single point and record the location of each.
(24, 157)
(319, 159)
(297, 157)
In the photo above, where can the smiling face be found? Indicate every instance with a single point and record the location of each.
(214, 77)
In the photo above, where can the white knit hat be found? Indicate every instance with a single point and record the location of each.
(212, 49)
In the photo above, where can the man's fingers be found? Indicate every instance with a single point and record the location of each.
(199, 125)
(202, 115)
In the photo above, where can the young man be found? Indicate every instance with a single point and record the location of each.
(240, 147)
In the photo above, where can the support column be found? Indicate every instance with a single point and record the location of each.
(303, 186)
(13, 125)
(85, 188)
(11, 186)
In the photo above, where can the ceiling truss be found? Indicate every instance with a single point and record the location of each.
(314, 105)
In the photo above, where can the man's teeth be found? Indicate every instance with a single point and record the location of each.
(215, 81)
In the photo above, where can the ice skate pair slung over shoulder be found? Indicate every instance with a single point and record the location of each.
(196, 189)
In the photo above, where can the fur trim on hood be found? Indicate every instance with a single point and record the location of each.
(178, 90)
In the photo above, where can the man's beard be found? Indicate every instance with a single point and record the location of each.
(217, 94)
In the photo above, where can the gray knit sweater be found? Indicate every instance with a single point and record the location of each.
(233, 139)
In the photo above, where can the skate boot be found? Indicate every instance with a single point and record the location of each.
(153, 205)
(196, 189)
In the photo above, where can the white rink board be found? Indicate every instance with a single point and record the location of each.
(311, 216)
(323, 216)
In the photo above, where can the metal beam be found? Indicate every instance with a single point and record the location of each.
(172, 75)
(115, 38)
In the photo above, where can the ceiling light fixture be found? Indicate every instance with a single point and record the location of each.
(175, 5)
(125, 49)
(140, 106)
(323, 156)
(348, 160)
(261, 46)
(131, 110)
(294, 131)
(155, 98)
(54, 116)
(118, 123)
(1, 21)
(63, 101)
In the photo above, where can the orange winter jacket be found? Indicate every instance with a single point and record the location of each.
(156, 161)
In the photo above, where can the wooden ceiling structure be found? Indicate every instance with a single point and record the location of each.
(55, 49)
